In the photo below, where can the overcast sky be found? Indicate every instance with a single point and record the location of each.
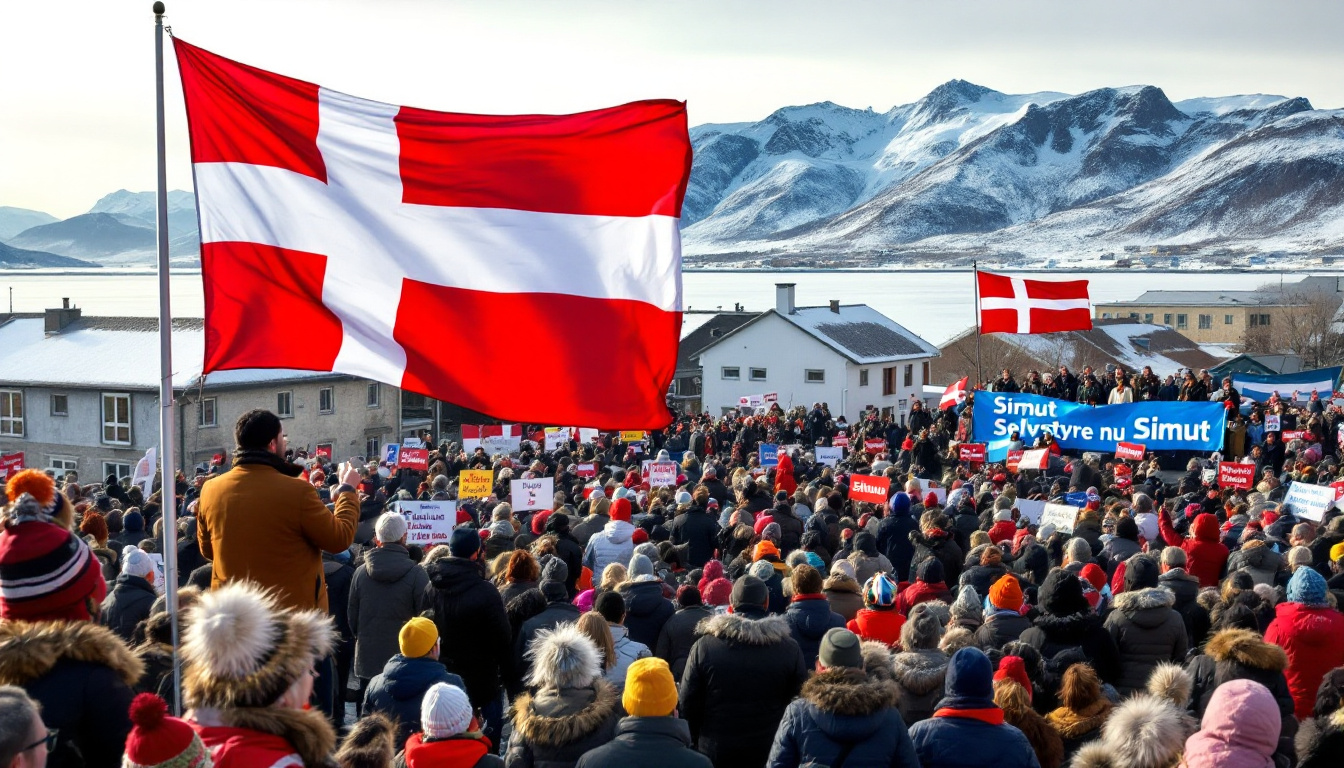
(77, 88)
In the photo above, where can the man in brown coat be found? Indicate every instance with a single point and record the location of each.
(261, 522)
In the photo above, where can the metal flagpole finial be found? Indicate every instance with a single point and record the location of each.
(158, 9)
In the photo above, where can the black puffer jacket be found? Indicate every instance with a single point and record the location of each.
(679, 635)
(939, 544)
(646, 611)
(1069, 630)
(661, 741)
(810, 617)
(1186, 589)
(555, 727)
(129, 604)
(1240, 654)
(1147, 632)
(699, 533)
(740, 677)
(474, 631)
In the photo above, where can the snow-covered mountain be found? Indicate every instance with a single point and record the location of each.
(118, 231)
(967, 170)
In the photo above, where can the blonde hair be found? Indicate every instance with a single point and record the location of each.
(613, 576)
(594, 626)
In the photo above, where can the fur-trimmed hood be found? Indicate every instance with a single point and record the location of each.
(877, 660)
(1172, 683)
(920, 672)
(736, 628)
(554, 718)
(1073, 725)
(841, 583)
(848, 692)
(307, 731)
(1246, 647)
(564, 657)
(29, 650)
(1143, 732)
(1142, 599)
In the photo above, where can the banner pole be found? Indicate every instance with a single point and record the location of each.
(167, 450)
(975, 275)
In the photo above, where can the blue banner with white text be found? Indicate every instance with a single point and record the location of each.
(1159, 426)
(1290, 386)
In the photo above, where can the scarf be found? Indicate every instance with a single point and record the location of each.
(268, 459)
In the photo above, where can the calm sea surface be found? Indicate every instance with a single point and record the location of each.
(935, 305)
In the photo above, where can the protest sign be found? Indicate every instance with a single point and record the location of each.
(428, 522)
(770, 397)
(661, 473)
(1338, 485)
(1309, 501)
(1272, 422)
(1038, 458)
(1294, 434)
(632, 436)
(1158, 425)
(323, 451)
(1234, 475)
(532, 494)
(391, 454)
(1299, 385)
(1012, 458)
(10, 463)
(585, 435)
(492, 438)
(871, 488)
(475, 483)
(1124, 476)
(410, 442)
(1130, 451)
(1032, 510)
(586, 470)
(415, 458)
(830, 456)
(1061, 516)
(1076, 499)
(971, 452)
(841, 440)
(874, 445)
(557, 438)
(769, 455)
(928, 486)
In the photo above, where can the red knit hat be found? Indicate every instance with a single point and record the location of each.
(157, 739)
(1013, 668)
(640, 536)
(1093, 575)
(930, 499)
(46, 572)
(539, 522)
(620, 510)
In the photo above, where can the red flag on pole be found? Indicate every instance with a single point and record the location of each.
(341, 234)
(1016, 305)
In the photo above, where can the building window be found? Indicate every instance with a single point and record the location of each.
(116, 420)
(284, 405)
(756, 374)
(120, 469)
(1180, 322)
(1259, 320)
(375, 395)
(924, 371)
(731, 374)
(372, 446)
(1205, 322)
(326, 400)
(206, 413)
(909, 374)
(11, 413)
(1227, 319)
(1133, 315)
(1105, 315)
(812, 376)
(60, 405)
(1148, 317)
(863, 377)
(60, 465)
(1166, 319)
(889, 381)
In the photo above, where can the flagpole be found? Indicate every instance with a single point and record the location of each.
(975, 275)
(167, 451)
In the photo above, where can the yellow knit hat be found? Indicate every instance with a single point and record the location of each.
(1337, 552)
(649, 690)
(417, 637)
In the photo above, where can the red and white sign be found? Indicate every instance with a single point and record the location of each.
(954, 395)
(414, 458)
(1296, 434)
(1234, 475)
(1124, 476)
(323, 451)
(373, 227)
(1014, 305)
(1034, 459)
(1338, 485)
(494, 438)
(874, 445)
(586, 470)
(841, 440)
(10, 463)
(1130, 451)
(661, 473)
(1012, 459)
(972, 452)
(871, 488)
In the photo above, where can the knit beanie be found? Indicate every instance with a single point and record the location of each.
(133, 521)
(554, 574)
(814, 560)
(844, 568)
(765, 549)
(1006, 593)
(1307, 587)
(621, 510)
(687, 596)
(841, 648)
(417, 637)
(1141, 572)
(649, 689)
(538, 524)
(445, 711)
(35, 483)
(390, 528)
(717, 592)
(640, 566)
(879, 592)
(967, 605)
(159, 740)
(762, 569)
(1013, 668)
(970, 681)
(46, 572)
(930, 571)
(136, 562)
(1061, 594)
(95, 525)
(748, 592)
(464, 542)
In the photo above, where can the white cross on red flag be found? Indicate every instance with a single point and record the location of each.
(476, 259)
(1015, 305)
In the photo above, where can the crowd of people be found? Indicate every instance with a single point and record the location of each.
(746, 615)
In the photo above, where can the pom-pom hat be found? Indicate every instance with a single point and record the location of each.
(159, 740)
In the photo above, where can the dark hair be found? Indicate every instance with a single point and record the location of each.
(256, 429)
(806, 580)
(611, 605)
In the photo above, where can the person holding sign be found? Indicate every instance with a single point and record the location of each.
(1206, 556)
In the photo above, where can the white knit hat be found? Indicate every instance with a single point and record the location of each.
(445, 711)
(390, 527)
(1003, 514)
(136, 562)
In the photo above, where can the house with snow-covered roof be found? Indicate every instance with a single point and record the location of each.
(850, 356)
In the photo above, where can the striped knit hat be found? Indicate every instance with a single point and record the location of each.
(46, 572)
(879, 591)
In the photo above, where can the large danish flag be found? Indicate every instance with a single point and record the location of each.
(527, 267)
(1014, 305)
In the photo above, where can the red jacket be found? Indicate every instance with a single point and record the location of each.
(464, 751)
(1003, 530)
(1313, 638)
(922, 592)
(246, 748)
(1205, 555)
(882, 626)
(784, 480)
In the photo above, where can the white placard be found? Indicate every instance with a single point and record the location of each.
(1272, 422)
(1309, 501)
(1035, 459)
(1061, 516)
(428, 522)
(1031, 509)
(413, 442)
(661, 473)
(925, 486)
(830, 456)
(532, 494)
(557, 439)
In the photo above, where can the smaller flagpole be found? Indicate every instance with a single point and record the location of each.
(975, 275)
(168, 486)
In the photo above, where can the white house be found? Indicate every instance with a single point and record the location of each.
(851, 357)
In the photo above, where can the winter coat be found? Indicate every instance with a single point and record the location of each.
(844, 595)
(589, 527)
(698, 531)
(679, 635)
(277, 529)
(647, 741)
(82, 675)
(1262, 563)
(841, 708)
(790, 530)
(1069, 636)
(810, 617)
(1239, 730)
(1320, 742)
(882, 626)
(555, 727)
(1077, 728)
(1313, 638)
(612, 544)
(1117, 551)
(466, 750)
(939, 544)
(866, 567)
(960, 742)
(1147, 632)
(923, 592)
(475, 637)
(1240, 654)
(627, 652)
(646, 611)
(398, 690)
(1143, 732)
(555, 614)
(1000, 628)
(740, 677)
(266, 737)
(1002, 530)
(1205, 555)
(1186, 589)
(128, 604)
(893, 540)
(919, 680)
(388, 590)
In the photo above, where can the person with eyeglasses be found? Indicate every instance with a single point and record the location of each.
(25, 740)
